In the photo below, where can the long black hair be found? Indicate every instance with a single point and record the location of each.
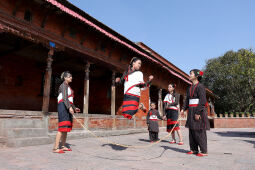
(129, 69)
(198, 74)
(133, 60)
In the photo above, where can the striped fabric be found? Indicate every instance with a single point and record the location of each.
(65, 119)
(172, 117)
(130, 105)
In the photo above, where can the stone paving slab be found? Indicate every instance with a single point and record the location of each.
(228, 149)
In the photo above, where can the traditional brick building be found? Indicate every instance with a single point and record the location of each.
(95, 54)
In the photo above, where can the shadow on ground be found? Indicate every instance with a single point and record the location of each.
(237, 134)
(115, 147)
(250, 141)
(146, 140)
(175, 149)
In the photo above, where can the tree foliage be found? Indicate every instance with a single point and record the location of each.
(232, 78)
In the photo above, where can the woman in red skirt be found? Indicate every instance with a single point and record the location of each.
(133, 83)
(65, 110)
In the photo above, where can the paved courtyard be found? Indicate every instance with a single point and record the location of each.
(228, 149)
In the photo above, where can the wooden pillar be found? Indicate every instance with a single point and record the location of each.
(86, 90)
(47, 82)
(160, 103)
(113, 92)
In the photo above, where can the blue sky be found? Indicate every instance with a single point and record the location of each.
(185, 32)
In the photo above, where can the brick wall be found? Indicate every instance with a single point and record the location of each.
(234, 122)
(20, 84)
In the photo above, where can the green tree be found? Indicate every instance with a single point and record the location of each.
(232, 78)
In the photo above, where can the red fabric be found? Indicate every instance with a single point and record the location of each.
(129, 108)
(65, 123)
(167, 102)
(206, 104)
(130, 102)
(176, 128)
(171, 122)
(127, 116)
(193, 105)
(64, 129)
(62, 101)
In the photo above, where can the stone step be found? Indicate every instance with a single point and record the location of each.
(22, 123)
(32, 141)
(79, 134)
(25, 132)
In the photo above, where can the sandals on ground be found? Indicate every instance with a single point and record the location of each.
(58, 151)
(202, 154)
(66, 149)
(173, 141)
(180, 143)
(191, 152)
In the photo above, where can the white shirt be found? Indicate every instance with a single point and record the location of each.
(134, 78)
(170, 99)
(70, 96)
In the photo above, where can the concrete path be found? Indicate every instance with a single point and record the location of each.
(228, 149)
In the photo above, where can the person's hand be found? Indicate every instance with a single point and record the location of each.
(71, 110)
(164, 117)
(77, 110)
(117, 80)
(197, 117)
(151, 77)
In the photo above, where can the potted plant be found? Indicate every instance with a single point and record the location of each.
(226, 114)
(253, 114)
(242, 114)
(237, 114)
(221, 115)
(231, 114)
(248, 114)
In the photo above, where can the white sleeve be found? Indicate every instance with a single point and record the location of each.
(165, 98)
(140, 77)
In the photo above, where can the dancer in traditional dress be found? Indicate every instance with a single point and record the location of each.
(197, 120)
(171, 107)
(133, 83)
(65, 110)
